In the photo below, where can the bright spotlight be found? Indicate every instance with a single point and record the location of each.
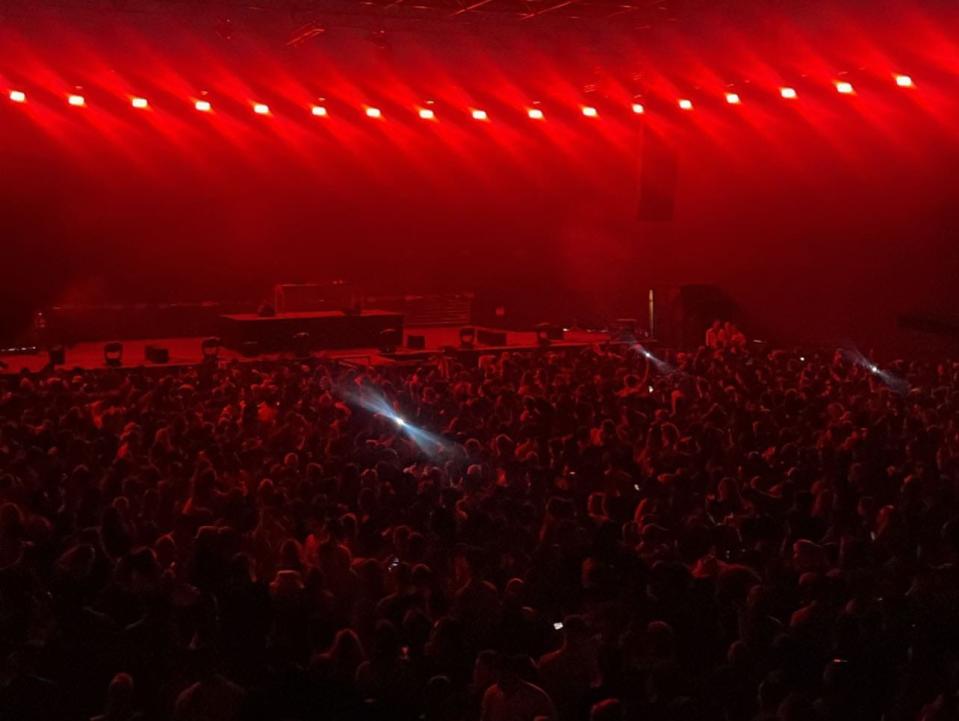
(686, 104)
(319, 111)
(589, 111)
(480, 115)
(203, 106)
(139, 103)
(427, 114)
(904, 81)
(261, 109)
(18, 96)
(77, 101)
(638, 108)
(535, 114)
(844, 88)
(399, 421)
(788, 93)
(374, 113)
(733, 98)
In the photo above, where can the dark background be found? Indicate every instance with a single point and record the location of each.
(824, 218)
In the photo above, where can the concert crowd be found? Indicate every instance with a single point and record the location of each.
(602, 534)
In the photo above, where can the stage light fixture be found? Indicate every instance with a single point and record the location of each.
(844, 88)
(685, 104)
(374, 113)
(480, 115)
(904, 81)
(203, 106)
(788, 93)
(319, 111)
(18, 96)
(139, 103)
(261, 108)
(427, 114)
(535, 114)
(77, 101)
(590, 112)
(733, 98)
(638, 108)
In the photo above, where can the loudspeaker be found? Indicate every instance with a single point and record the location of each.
(389, 339)
(487, 336)
(210, 348)
(548, 331)
(57, 355)
(416, 342)
(623, 330)
(302, 344)
(113, 354)
(157, 354)
(657, 179)
(684, 312)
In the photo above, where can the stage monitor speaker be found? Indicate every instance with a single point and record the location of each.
(416, 342)
(488, 336)
(658, 174)
(157, 354)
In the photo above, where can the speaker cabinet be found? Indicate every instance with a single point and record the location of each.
(157, 354)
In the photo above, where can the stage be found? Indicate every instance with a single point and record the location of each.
(318, 329)
(187, 351)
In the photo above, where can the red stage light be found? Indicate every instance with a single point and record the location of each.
(139, 103)
(373, 113)
(904, 81)
(844, 88)
(638, 108)
(733, 99)
(480, 115)
(77, 101)
(788, 93)
(261, 109)
(18, 96)
(427, 114)
(685, 104)
(319, 111)
(590, 112)
(203, 106)
(535, 114)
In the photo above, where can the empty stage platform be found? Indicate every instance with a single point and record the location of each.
(326, 329)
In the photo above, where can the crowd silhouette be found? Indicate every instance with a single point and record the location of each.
(564, 535)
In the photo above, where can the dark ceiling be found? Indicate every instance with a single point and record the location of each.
(633, 12)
